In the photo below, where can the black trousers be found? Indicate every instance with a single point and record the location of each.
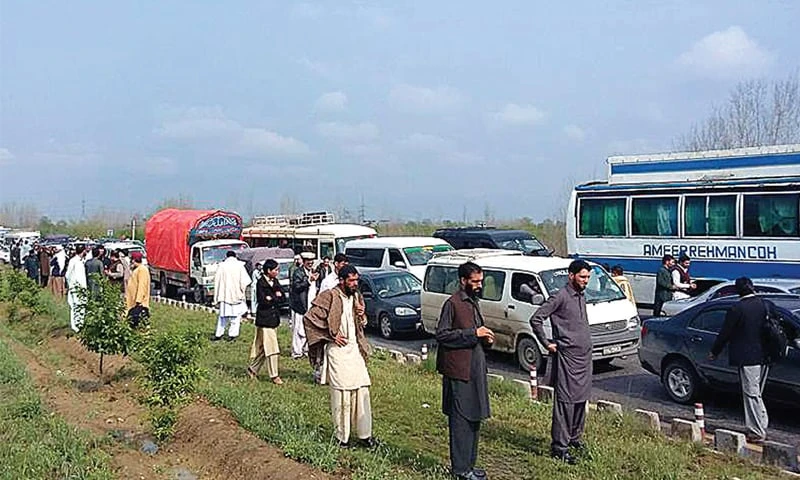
(463, 443)
(568, 422)
(657, 304)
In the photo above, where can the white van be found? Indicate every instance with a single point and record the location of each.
(514, 287)
(409, 253)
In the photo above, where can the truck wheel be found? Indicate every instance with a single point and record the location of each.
(199, 295)
(528, 355)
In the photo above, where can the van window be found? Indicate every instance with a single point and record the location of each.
(365, 257)
(771, 215)
(395, 256)
(493, 282)
(524, 286)
(655, 217)
(440, 279)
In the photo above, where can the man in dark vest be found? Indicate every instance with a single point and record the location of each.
(461, 336)
(571, 353)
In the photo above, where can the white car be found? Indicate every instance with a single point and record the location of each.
(727, 289)
(5, 255)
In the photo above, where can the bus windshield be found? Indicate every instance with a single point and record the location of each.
(601, 287)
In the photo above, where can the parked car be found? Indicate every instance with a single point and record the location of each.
(676, 349)
(408, 253)
(728, 289)
(489, 237)
(392, 299)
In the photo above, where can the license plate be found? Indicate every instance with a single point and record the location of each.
(612, 349)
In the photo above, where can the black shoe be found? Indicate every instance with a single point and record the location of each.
(564, 457)
(215, 338)
(230, 339)
(344, 445)
(368, 442)
(479, 473)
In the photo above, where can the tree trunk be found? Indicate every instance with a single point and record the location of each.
(101, 365)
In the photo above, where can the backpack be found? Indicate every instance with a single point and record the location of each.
(773, 336)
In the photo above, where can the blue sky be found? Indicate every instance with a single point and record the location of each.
(423, 108)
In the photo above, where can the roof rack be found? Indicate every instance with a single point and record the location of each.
(303, 219)
(462, 229)
(475, 253)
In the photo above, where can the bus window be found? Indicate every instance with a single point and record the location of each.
(602, 217)
(656, 217)
(326, 249)
(713, 216)
(771, 215)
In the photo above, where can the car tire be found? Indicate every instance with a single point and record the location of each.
(680, 381)
(528, 355)
(385, 326)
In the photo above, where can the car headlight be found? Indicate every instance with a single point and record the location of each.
(633, 322)
(404, 311)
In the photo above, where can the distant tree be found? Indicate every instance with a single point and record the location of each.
(757, 113)
(21, 215)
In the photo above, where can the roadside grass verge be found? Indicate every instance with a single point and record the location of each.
(407, 419)
(37, 444)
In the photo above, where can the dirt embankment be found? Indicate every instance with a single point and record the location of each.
(208, 443)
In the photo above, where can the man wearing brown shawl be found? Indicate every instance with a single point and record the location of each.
(336, 323)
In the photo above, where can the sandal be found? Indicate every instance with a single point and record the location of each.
(250, 373)
(277, 381)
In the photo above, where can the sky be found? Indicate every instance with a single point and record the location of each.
(419, 109)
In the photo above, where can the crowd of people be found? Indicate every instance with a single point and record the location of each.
(66, 272)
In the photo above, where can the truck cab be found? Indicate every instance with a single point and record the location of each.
(206, 257)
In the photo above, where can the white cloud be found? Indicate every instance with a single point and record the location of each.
(516, 115)
(574, 132)
(364, 150)
(364, 132)
(331, 102)
(6, 156)
(426, 143)
(210, 126)
(415, 99)
(726, 53)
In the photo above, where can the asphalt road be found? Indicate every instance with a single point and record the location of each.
(625, 382)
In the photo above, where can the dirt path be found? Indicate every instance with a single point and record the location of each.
(208, 443)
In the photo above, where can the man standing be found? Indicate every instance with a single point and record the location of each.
(76, 280)
(664, 286)
(58, 269)
(257, 274)
(331, 280)
(94, 268)
(571, 353)
(32, 266)
(742, 331)
(16, 256)
(461, 336)
(681, 281)
(116, 271)
(137, 295)
(301, 293)
(230, 286)
(336, 319)
(323, 270)
(126, 269)
(44, 265)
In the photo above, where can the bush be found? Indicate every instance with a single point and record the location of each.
(22, 294)
(105, 330)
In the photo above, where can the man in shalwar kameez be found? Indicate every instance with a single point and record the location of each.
(76, 282)
(336, 320)
(571, 353)
(230, 286)
(303, 290)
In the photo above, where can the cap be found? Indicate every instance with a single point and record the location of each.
(136, 256)
(307, 256)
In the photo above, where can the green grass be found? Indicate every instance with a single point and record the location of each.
(406, 403)
(37, 444)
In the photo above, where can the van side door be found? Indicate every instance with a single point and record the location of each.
(493, 309)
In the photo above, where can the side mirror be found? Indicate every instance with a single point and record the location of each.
(537, 299)
(400, 264)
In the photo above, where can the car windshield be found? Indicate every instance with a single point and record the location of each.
(523, 244)
(388, 286)
(601, 287)
(217, 254)
(422, 255)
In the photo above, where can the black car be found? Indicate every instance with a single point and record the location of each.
(392, 300)
(676, 349)
(490, 237)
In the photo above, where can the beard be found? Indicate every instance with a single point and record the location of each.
(348, 290)
(475, 292)
(578, 287)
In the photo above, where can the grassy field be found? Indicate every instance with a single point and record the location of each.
(36, 444)
(408, 421)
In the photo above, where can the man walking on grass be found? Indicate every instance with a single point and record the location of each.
(137, 295)
(336, 320)
(76, 282)
(230, 285)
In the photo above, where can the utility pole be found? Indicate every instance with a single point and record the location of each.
(133, 228)
(362, 211)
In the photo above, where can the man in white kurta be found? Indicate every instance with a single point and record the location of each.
(331, 280)
(76, 281)
(230, 287)
(253, 282)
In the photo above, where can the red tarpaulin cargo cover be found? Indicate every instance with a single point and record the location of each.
(169, 233)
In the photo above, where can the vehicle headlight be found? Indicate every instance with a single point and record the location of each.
(404, 311)
(633, 322)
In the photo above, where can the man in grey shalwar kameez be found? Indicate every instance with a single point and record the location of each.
(461, 361)
(571, 353)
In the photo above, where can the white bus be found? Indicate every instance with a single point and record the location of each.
(733, 212)
(315, 232)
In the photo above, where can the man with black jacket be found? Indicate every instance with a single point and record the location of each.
(742, 332)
